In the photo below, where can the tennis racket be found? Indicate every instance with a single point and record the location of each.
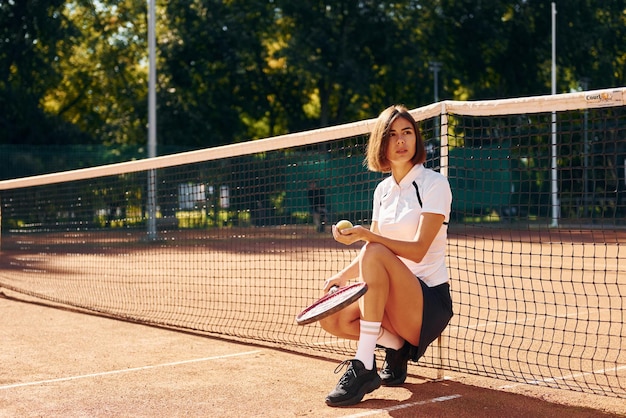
(335, 300)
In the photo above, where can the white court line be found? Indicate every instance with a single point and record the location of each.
(134, 369)
(568, 377)
(403, 406)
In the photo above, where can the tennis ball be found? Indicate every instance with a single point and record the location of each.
(344, 225)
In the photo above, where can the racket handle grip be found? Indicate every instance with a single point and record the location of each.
(333, 289)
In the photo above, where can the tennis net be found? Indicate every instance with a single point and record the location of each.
(225, 241)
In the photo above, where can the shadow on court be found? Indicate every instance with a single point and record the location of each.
(59, 363)
(455, 399)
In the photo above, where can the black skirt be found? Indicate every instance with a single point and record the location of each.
(436, 316)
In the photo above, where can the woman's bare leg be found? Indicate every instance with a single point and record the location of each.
(394, 297)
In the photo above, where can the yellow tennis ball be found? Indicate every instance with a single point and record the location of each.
(344, 225)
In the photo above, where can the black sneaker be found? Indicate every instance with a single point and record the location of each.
(394, 370)
(354, 384)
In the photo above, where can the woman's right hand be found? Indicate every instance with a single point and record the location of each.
(349, 236)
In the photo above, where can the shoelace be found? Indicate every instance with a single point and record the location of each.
(349, 374)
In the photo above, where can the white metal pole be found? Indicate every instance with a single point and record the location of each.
(554, 185)
(151, 79)
(151, 204)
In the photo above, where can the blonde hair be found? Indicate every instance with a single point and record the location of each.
(376, 155)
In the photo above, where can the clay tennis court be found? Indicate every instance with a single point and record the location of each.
(64, 362)
(61, 363)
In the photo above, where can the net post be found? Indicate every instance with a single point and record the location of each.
(443, 162)
(443, 141)
(440, 375)
(151, 205)
(554, 184)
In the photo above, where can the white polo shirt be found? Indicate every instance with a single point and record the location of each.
(397, 210)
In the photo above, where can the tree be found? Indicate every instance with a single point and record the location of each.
(213, 83)
(240, 69)
(342, 52)
(32, 33)
(103, 90)
(590, 46)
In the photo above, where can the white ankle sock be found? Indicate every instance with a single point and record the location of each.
(367, 343)
(389, 340)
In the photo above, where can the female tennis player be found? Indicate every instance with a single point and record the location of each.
(408, 301)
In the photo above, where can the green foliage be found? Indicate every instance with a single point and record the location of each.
(103, 90)
(75, 71)
(195, 219)
(33, 35)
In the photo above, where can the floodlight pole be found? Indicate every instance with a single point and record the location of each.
(554, 185)
(151, 204)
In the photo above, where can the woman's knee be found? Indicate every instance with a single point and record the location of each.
(375, 263)
(373, 251)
